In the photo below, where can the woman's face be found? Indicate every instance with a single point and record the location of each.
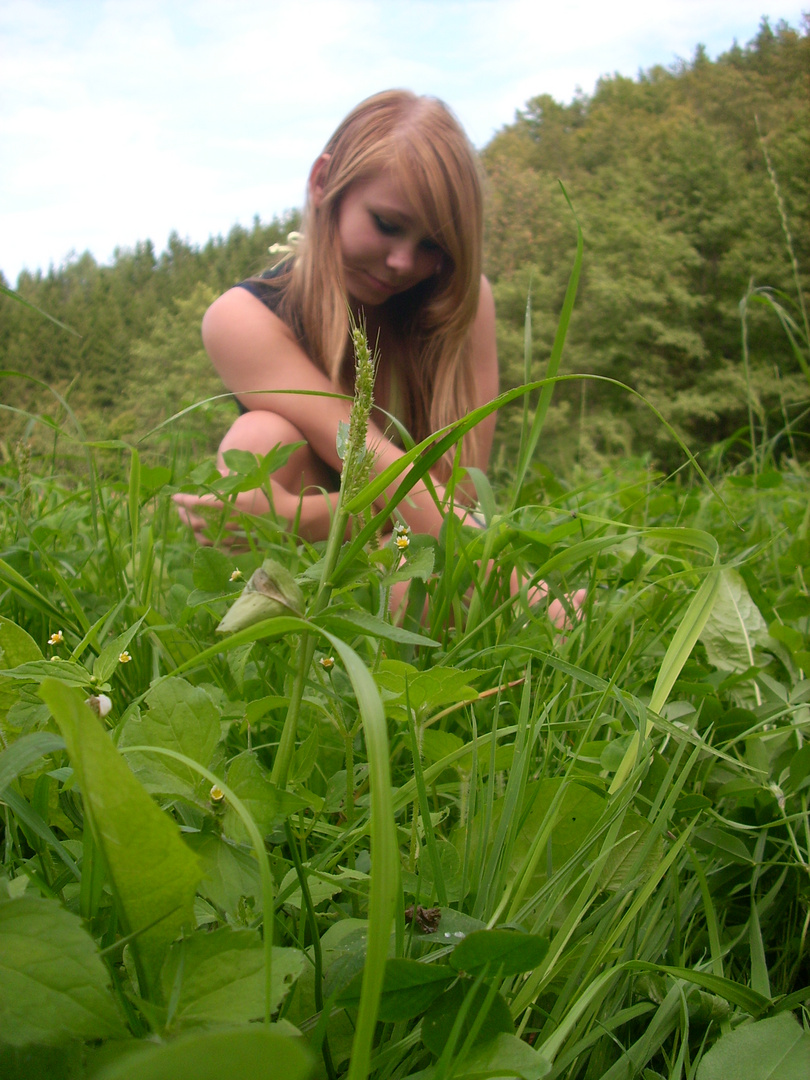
(384, 246)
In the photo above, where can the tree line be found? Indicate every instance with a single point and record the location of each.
(691, 187)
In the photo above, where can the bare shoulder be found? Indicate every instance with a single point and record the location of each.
(238, 313)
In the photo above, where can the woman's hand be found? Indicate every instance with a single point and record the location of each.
(204, 513)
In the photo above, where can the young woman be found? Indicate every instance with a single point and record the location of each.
(392, 232)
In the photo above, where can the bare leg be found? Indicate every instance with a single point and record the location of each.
(259, 432)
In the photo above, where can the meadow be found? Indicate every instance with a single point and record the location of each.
(462, 844)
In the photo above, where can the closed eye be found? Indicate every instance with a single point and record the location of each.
(387, 228)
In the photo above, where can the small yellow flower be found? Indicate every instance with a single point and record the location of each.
(124, 657)
(56, 638)
(236, 575)
(216, 793)
(327, 662)
(402, 542)
(401, 529)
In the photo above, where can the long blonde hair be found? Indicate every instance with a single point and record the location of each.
(419, 142)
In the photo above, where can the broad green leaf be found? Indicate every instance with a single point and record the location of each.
(212, 571)
(577, 814)
(152, 872)
(221, 977)
(501, 952)
(267, 805)
(180, 717)
(735, 626)
(418, 564)
(438, 1021)
(16, 646)
(63, 670)
(229, 873)
(24, 752)
(249, 1053)
(53, 983)
(774, 1049)
(409, 987)
(322, 886)
(426, 690)
(504, 1056)
(621, 863)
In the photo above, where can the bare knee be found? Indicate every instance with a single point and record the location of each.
(258, 432)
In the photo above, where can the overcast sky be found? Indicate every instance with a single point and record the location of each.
(125, 119)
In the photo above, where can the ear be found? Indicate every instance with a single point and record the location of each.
(316, 179)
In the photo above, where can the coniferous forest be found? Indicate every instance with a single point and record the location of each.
(692, 189)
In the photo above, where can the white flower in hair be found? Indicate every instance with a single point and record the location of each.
(293, 240)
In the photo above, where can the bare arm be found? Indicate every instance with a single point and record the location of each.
(253, 350)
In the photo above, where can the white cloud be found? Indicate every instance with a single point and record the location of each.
(125, 119)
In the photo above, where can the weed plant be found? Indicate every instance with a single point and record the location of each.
(465, 845)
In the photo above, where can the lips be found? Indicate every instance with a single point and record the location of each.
(382, 286)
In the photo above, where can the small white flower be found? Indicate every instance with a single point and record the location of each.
(124, 657)
(327, 662)
(402, 542)
(236, 575)
(293, 240)
(56, 638)
(216, 793)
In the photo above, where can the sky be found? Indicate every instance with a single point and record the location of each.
(122, 120)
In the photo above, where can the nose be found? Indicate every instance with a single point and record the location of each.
(401, 258)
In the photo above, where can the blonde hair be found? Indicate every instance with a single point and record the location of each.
(419, 142)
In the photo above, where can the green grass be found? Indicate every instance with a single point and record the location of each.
(612, 822)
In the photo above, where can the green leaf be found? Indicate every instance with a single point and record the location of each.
(418, 564)
(16, 646)
(107, 660)
(409, 988)
(501, 952)
(180, 717)
(249, 1053)
(212, 571)
(64, 670)
(438, 1023)
(734, 627)
(152, 872)
(304, 758)
(221, 976)
(735, 993)
(322, 886)
(24, 752)
(53, 983)
(357, 621)
(774, 1049)
(229, 873)
(264, 801)
(426, 690)
(503, 1056)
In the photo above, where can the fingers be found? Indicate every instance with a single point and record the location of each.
(560, 613)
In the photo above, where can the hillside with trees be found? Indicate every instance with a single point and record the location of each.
(687, 182)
